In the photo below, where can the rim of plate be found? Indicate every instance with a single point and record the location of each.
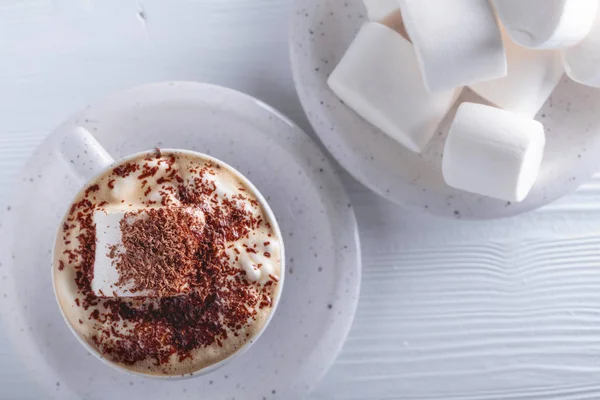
(8, 217)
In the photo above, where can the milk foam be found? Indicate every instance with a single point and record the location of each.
(128, 193)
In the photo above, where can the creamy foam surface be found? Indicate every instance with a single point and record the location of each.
(157, 180)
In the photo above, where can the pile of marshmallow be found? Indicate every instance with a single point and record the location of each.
(405, 69)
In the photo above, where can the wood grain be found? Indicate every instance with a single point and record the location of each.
(496, 320)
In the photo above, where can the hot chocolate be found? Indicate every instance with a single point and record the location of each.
(168, 263)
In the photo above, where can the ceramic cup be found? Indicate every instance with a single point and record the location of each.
(89, 160)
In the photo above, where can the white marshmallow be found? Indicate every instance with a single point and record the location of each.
(108, 237)
(547, 24)
(379, 79)
(257, 266)
(582, 61)
(532, 76)
(458, 42)
(253, 273)
(493, 152)
(379, 9)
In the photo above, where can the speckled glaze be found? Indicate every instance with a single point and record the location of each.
(315, 217)
(322, 30)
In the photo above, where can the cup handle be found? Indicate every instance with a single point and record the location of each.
(84, 154)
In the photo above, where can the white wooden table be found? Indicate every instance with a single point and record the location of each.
(493, 310)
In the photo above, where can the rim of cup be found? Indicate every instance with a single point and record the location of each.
(213, 367)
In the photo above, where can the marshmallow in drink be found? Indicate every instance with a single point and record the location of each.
(458, 42)
(379, 78)
(532, 76)
(379, 9)
(109, 247)
(108, 237)
(493, 152)
(547, 24)
(582, 61)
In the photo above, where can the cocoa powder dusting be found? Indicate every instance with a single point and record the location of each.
(161, 246)
(125, 170)
(172, 251)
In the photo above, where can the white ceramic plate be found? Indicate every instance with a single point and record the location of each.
(322, 30)
(320, 233)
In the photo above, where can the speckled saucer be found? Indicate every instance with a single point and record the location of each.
(321, 32)
(316, 219)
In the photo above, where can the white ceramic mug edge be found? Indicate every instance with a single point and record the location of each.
(213, 367)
